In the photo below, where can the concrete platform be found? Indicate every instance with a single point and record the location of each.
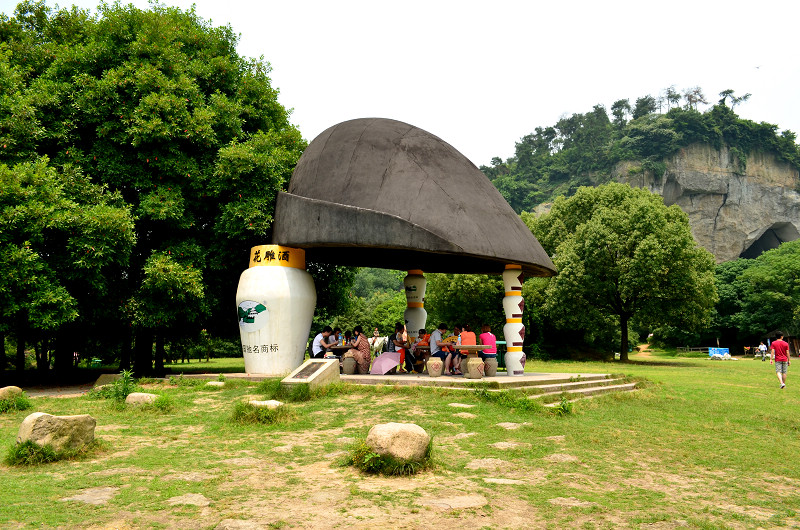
(500, 381)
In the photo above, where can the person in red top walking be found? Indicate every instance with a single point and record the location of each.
(780, 354)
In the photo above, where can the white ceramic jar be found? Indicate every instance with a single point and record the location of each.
(276, 300)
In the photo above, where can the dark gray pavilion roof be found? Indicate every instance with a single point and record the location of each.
(381, 193)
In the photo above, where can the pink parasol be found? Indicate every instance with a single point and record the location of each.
(385, 362)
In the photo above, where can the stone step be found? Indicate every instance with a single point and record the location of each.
(581, 393)
(568, 387)
(501, 382)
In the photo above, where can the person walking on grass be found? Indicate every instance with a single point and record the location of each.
(780, 354)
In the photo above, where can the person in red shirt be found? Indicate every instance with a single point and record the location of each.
(780, 354)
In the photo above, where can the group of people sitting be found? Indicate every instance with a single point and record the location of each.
(447, 349)
(414, 352)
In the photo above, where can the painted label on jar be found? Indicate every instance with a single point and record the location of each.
(253, 316)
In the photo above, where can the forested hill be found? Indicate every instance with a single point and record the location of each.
(583, 149)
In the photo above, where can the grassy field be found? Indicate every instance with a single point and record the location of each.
(704, 445)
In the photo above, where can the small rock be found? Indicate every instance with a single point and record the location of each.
(216, 384)
(140, 398)
(195, 499)
(461, 405)
(269, 404)
(94, 496)
(465, 415)
(509, 425)
(10, 392)
(60, 432)
(404, 441)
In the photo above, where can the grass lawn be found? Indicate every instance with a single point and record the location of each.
(707, 444)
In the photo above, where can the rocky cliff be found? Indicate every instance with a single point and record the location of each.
(737, 207)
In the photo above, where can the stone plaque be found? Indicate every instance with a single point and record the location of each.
(315, 372)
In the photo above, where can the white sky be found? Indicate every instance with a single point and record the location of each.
(482, 74)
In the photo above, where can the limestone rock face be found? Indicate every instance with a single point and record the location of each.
(60, 432)
(735, 209)
(140, 398)
(10, 392)
(404, 441)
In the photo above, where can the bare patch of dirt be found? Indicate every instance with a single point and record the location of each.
(571, 502)
(561, 457)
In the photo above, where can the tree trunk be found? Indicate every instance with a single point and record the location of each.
(143, 353)
(66, 340)
(160, 355)
(3, 359)
(125, 351)
(21, 326)
(623, 325)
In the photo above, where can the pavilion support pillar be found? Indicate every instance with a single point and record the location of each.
(514, 330)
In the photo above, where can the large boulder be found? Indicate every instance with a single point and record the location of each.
(60, 432)
(140, 398)
(404, 441)
(10, 392)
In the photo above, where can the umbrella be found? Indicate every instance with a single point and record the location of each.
(385, 362)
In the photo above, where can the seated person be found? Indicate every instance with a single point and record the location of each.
(348, 337)
(456, 356)
(360, 350)
(398, 344)
(438, 345)
(414, 360)
(487, 338)
(468, 338)
(320, 343)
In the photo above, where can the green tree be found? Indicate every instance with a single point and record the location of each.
(620, 110)
(772, 292)
(644, 105)
(158, 105)
(622, 255)
(63, 243)
(472, 299)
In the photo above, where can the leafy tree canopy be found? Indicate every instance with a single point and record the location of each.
(622, 255)
(157, 106)
(63, 241)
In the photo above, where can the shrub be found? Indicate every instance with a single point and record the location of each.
(20, 402)
(247, 414)
(123, 386)
(510, 399)
(162, 403)
(183, 382)
(30, 454)
(361, 456)
(563, 408)
(273, 389)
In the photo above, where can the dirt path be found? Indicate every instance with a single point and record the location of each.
(57, 391)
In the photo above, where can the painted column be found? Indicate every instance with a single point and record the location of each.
(276, 300)
(415, 315)
(514, 331)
